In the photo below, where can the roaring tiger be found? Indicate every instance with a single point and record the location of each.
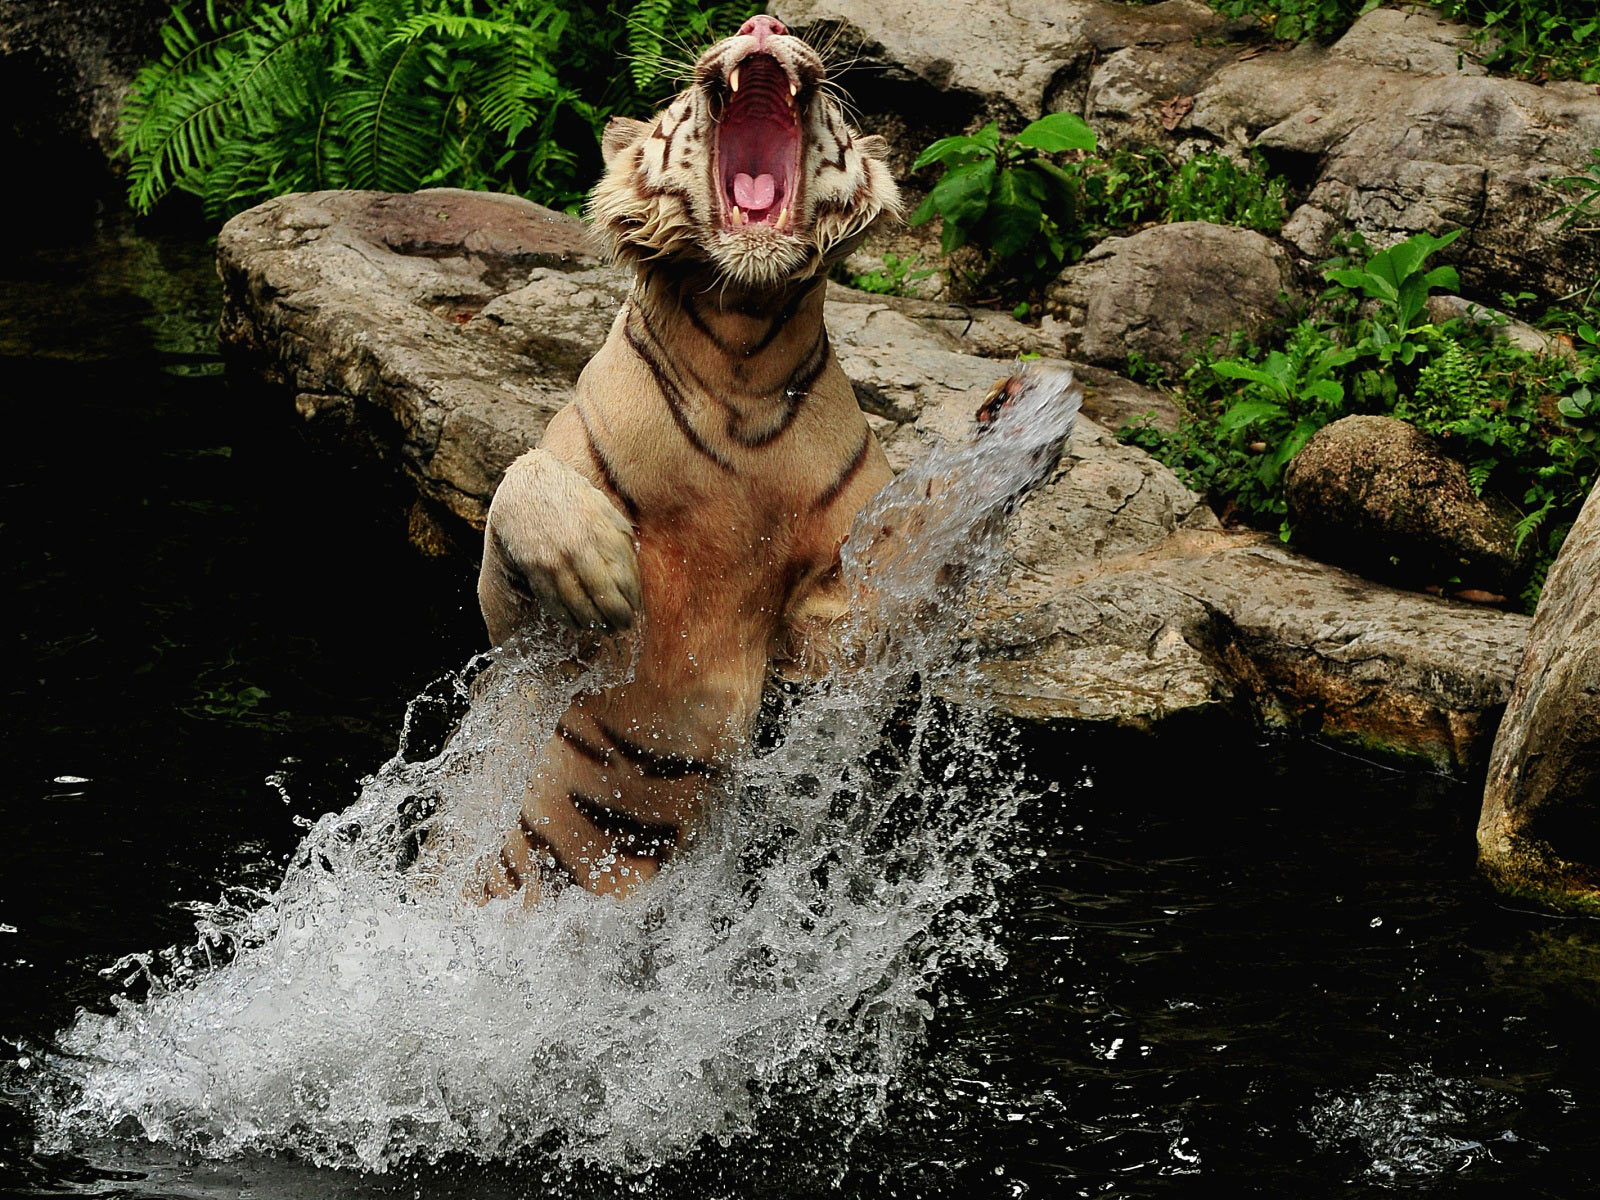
(696, 491)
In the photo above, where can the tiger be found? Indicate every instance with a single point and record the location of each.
(691, 501)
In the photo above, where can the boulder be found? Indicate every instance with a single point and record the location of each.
(1378, 496)
(1169, 292)
(65, 70)
(1395, 129)
(1539, 832)
(440, 331)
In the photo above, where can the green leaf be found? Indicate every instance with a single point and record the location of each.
(1014, 215)
(1246, 413)
(962, 195)
(1442, 277)
(958, 149)
(1057, 132)
(1061, 184)
(1302, 433)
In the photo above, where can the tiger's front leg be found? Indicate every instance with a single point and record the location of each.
(556, 549)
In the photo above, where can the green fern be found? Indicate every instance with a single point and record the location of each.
(252, 100)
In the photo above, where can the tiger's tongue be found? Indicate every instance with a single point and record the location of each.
(754, 193)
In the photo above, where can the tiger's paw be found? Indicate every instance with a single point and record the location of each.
(556, 545)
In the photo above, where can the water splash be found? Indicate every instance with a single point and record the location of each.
(1412, 1125)
(365, 1014)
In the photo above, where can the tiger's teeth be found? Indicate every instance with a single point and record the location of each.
(733, 79)
(783, 215)
(793, 88)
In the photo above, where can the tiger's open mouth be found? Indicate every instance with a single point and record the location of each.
(758, 145)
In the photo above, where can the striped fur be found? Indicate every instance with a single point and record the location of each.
(717, 424)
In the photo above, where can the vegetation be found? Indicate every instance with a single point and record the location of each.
(1558, 39)
(1036, 202)
(1292, 20)
(1008, 194)
(1527, 426)
(251, 100)
(894, 278)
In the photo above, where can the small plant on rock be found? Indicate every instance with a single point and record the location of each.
(894, 278)
(1007, 195)
(1212, 187)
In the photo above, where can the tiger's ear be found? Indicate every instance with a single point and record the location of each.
(620, 133)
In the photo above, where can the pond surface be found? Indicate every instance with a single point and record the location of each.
(1260, 964)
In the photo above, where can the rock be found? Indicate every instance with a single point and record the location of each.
(1378, 496)
(1017, 60)
(1400, 136)
(1525, 337)
(1539, 832)
(1395, 129)
(1137, 96)
(65, 70)
(364, 306)
(1170, 291)
(440, 331)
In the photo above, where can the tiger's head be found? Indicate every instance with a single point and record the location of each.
(752, 169)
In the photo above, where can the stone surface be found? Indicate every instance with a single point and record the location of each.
(1378, 496)
(1539, 833)
(1168, 292)
(65, 69)
(1392, 130)
(1016, 59)
(440, 331)
(364, 305)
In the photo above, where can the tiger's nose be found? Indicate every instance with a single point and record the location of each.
(763, 27)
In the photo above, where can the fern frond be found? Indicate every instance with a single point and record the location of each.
(647, 27)
(386, 119)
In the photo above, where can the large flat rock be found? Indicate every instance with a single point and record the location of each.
(439, 332)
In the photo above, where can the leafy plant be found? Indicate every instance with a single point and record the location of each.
(251, 100)
(1396, 280)
(1558, 39)
(1006, 194)
(1212, 187)
(1527, 427)
(1291, 20)
(1030, 215)
(896, 275)
(1584, 207)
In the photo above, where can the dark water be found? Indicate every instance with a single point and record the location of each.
(1233, 963)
